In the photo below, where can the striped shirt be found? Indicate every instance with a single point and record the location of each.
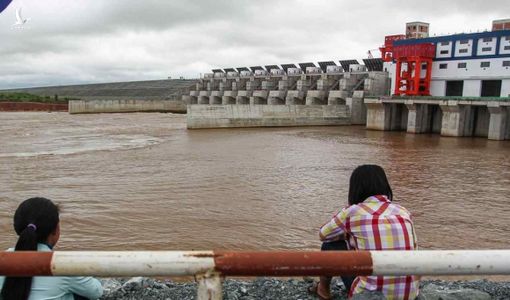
(376, 224)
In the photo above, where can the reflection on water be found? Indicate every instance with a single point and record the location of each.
(142, 181)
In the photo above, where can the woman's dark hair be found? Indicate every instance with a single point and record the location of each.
(366, 181)
(34, 220)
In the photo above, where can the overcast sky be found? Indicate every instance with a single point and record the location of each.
(89, 41)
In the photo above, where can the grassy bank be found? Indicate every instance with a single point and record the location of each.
(26, 97)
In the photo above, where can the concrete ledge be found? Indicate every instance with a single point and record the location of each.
(225, 116)
(120, 106)
(229, 97)
(276, 97)
(295, 97)
(216, 97)
(315, 97)
(189, 99)
(337, 97)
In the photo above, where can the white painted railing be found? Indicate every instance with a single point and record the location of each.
(210, 266)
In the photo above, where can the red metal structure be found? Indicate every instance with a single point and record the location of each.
(387, 49)
(413, 65)
(414, 69)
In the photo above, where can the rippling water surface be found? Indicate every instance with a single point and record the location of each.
(142, 181)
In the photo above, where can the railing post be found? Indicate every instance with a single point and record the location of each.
(209, 286)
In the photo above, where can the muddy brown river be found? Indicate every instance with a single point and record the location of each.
(142, 181)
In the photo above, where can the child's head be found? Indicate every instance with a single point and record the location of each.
(366, 181)
(35, 221)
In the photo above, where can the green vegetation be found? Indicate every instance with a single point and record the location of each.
(26, 97)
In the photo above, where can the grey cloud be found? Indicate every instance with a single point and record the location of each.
(97, 40)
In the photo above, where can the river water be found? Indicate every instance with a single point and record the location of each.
(142, 181)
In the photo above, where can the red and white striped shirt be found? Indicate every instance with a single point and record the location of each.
(376, 224)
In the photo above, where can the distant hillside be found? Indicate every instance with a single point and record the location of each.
(170, 89)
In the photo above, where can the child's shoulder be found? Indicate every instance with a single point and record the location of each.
(399, 209)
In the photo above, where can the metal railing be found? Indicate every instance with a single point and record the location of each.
(211, 266)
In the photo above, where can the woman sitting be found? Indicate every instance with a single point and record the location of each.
(371, 221)
(36, 221)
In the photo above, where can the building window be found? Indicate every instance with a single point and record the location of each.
(462, 65)
(443, 52)
(486, 49)
(463, 42)
(443, 66)
(507, 48)
(424, 67)
(506, 63)
(485, 64)
(463, 50)
(487, 40)
(445, 43)
(507, 38)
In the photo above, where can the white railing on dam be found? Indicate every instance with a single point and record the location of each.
(210, 266)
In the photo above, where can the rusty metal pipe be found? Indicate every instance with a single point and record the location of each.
(270, 263)
(329, 263)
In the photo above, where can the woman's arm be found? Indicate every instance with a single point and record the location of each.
(334, 230)
(87, 287)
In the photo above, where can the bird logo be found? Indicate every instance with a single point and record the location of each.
(20, 21)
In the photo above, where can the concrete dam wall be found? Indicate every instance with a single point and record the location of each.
(309, 96)
(222, 116)
(120, 106)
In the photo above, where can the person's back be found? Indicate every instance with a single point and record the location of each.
(37, 223)
(370, 221)
(379, 224)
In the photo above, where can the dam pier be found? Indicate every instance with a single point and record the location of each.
(477, 117)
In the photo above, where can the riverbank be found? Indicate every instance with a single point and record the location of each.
(32, 106)
(15, 101)
(269, 288)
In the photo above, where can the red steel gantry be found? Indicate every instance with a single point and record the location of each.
(413, 66)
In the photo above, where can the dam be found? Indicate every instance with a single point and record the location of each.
(456, 85)
(308, 95)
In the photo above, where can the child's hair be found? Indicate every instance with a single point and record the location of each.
(366, 181)
(34, 220)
